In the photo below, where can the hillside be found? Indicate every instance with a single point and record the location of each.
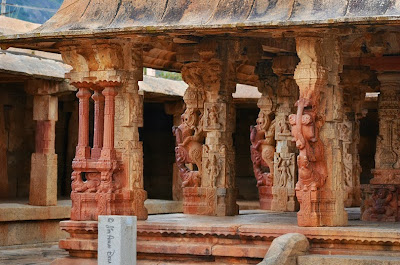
(32, 15)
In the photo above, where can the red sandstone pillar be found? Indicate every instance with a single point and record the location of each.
(43, 184)
(98, 123)
(109, 112)
(83, 149)
(319, 189)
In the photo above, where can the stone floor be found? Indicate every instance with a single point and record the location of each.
(41, 254)
(45, 253)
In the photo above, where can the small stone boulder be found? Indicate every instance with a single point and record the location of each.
(285, 249)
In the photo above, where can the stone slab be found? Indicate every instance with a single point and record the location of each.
(30, 232)
(348, 260)
(21, 211)
(117, 240)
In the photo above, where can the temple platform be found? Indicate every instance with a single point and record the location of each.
(244, 239)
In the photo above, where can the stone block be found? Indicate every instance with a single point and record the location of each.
(117, 240)
(45, 108)
(43, 184)
(285, 249)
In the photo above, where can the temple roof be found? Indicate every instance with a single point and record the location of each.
(91, 17)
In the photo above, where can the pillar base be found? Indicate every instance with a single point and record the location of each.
(87, 206)
(380, 203)
(82, 242)
(318, 208)
(284, 200)
(265, 197)
(43, 186)
(210, 201)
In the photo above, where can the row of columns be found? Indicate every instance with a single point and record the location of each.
(204, 137)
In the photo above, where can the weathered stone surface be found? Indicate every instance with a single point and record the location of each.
(348, 260)
(319, 188)
(285, 249)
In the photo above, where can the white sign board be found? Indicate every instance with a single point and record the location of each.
(117, 240)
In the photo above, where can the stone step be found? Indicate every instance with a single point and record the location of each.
(347, 260)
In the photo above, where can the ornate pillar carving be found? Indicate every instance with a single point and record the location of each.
(285, 176)
(43, 181)
(262, 148)
(382, 194)
(176, 109)
(319, 189)
(352, 82)
(209, 189)
(107, 177)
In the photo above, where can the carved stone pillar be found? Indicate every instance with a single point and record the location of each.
(285, 174)
(382, 194)
(209, 189)
(176, 109)
(352, 82)
(319, 189)
(43, 181)
(262, 138)
(107, 177)
(98, 99)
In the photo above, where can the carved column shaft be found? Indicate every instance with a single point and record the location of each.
(109, 115)
(209, 189)
(285, 175)
(83, 149)
(315, 129)
(98, 123)
(176, 109)
(381, 195)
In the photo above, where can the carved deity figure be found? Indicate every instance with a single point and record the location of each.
(310, 161)
(285, 176)
(381, 206)
(262, 137)
(189, 140)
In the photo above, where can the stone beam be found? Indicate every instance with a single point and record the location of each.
(319, 189)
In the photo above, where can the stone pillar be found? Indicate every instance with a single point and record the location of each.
(285, 174)
(352, 82)
(98, 99)
(43, 182)
(382, 194)
(210, 188)
(319, 189)
(176, 109)
(107, 177)
(262, 138)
